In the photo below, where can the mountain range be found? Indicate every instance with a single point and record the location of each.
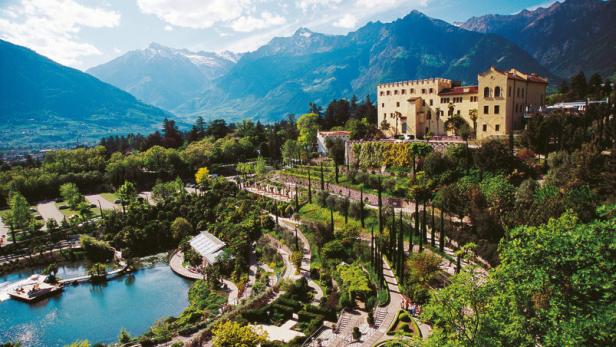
(47, 103)
(286, 74)
(566, 37)
(43, 103)
(163, 76)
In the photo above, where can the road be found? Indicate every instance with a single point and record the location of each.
(49, 210)
(147, 196)
(4, 234)
(105, 204)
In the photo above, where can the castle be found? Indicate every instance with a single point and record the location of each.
(494, 107)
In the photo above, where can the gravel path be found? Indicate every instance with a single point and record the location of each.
(49, 210)
(104, 203)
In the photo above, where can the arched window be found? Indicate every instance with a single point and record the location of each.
(429, 115)
(497, 92)
(486, 92)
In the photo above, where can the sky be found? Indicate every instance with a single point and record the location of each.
(86, 33)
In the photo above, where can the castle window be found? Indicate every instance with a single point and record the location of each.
(388, 92)
(398, 104)
(382, 93)
(412, 90)
(431, 90)
(509, 91)
(496, 109)
(485, 127)
(497, 92)
(404, 127)
(458, 113)
(473, 99)
(403, 91)
(382, 104)
(486, 92)
(522, 92)
(431, 102)
(423, 102)
(423, 91)
(429, 116)
(396, 92)
(486, 109)
(518, 93)
(497, 127)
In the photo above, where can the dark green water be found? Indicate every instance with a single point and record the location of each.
(93, 312)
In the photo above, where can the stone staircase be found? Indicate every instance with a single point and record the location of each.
(379, 315)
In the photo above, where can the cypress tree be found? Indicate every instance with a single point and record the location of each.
(424, 227)
(392, 246)
(276, 211)
(309, 186)
(380, 202)
(361, 206)
(296, 199)
(442, 238)
(322, 178)
(401, 248)
(372, 262)
(331, 220)
(417, 224)
(411, 231)
(433, 231)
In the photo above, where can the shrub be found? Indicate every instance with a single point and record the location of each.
(96, 250)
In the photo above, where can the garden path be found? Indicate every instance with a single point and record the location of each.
(293, 225)
(395, 301)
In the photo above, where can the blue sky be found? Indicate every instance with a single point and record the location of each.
(85, 33)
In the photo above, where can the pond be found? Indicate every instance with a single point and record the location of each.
(93, 312)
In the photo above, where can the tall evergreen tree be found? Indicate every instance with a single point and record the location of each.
(296, 199)
(372, 257)
(309, 187)
(380, 205)
(322, 178)
(432, 231)
(401, 248)
(442, 237)
(361, 206)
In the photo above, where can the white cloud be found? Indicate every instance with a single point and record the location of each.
(51, 27)
(311, 4)
(348, 21)
(168, 28)
(196, 14)
(387, 4)
(250, 23)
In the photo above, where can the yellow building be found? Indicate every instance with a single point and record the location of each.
(496, 105)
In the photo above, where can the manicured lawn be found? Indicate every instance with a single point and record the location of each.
(313, 213)
(404, 325)
(111, 197)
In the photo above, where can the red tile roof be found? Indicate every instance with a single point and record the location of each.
(335, 133)
(459, 90)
